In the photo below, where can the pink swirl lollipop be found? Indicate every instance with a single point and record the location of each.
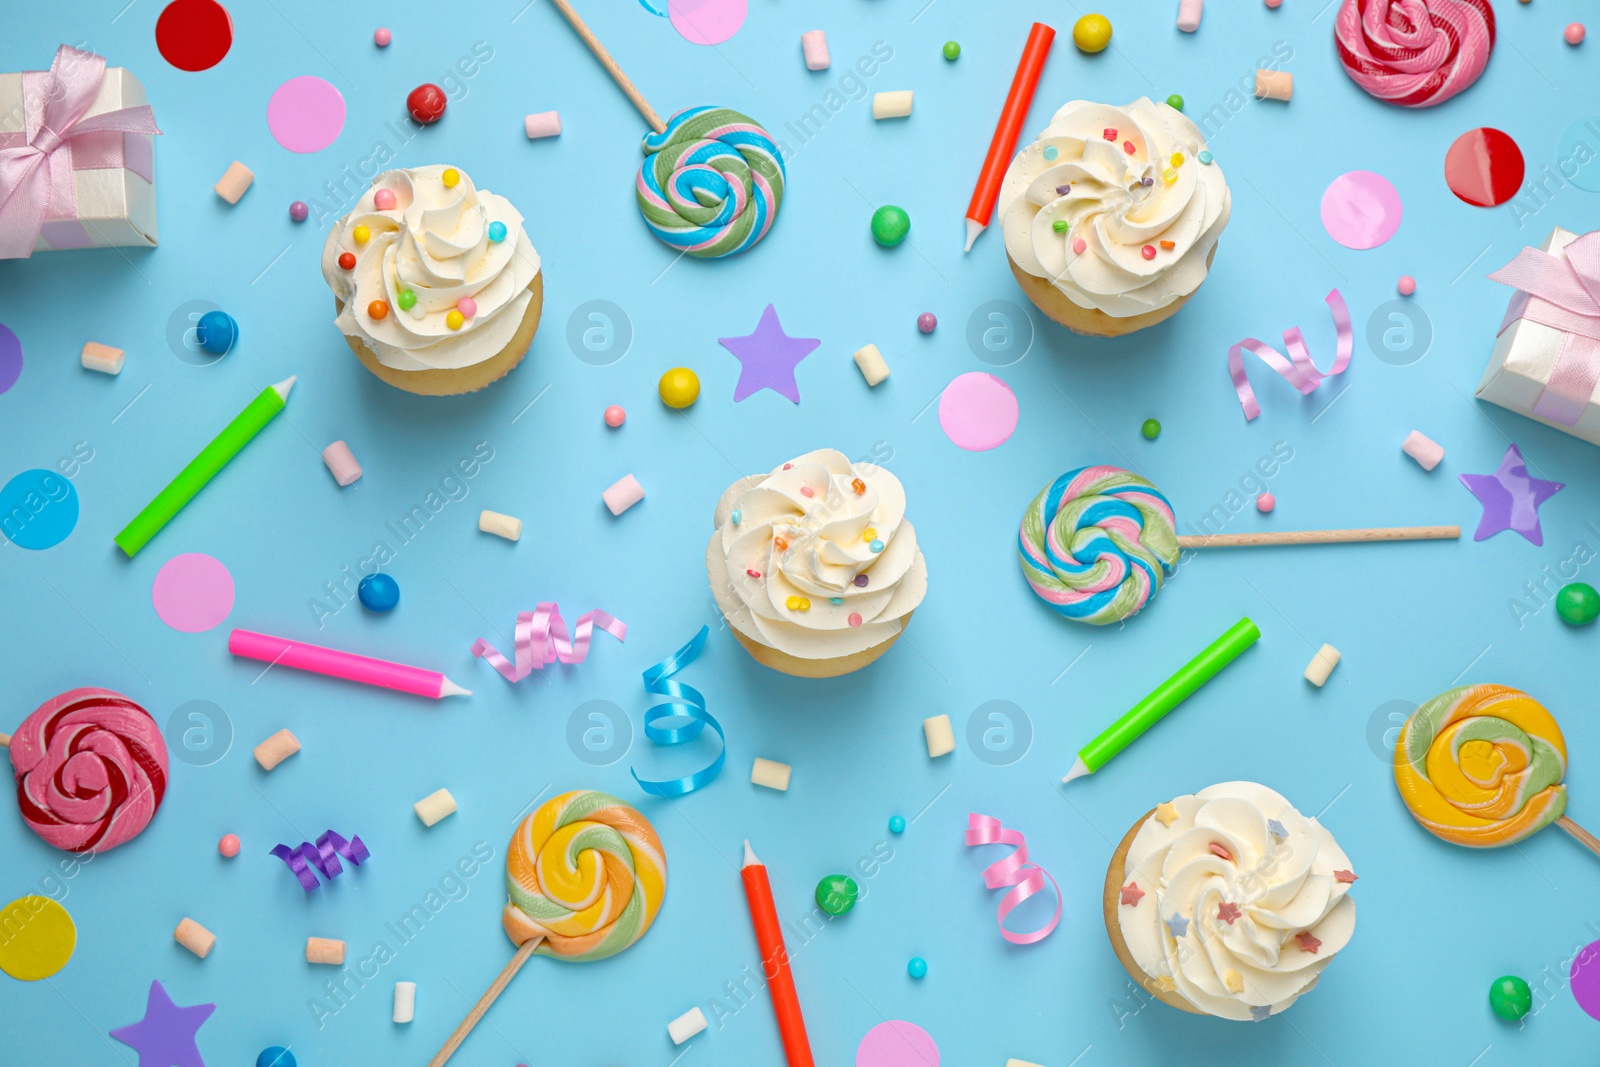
(91, 769)
(1415, 53)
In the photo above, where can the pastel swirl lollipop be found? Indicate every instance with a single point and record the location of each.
(91, 769)
(1415, 53)
(1481, 765)
(711, 182)
(1097, 543)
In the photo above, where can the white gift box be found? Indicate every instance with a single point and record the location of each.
(1525, 358)
(115, 206)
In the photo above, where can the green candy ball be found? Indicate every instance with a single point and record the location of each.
(890, 225)
(1510, 997)
(952, 50)
(1578, 604)
(836, 894)
(1175, 102)
(1151, 429)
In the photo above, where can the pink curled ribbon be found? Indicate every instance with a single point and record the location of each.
(323, 856)
(1563, 293)
(1025, 878)
(542, 640)
(1297, 370)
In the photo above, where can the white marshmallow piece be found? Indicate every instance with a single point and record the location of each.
(507, 526)
(327, 950)
(623, 495)
(103, 358)
(1426, 452)
(405, 1001)
(941, 736)
(435, 806)
(342, 463)
(1189, 14)
(814, 46)
(686, 1025)
(871, 363)
(771, 773)
(232, 185)
(275, 749)
(542, 124)
(1322, 665)
(1020, 1063)
(892, 105)
(194, 937)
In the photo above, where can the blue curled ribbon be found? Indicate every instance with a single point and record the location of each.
(324, 856)
(684, 702)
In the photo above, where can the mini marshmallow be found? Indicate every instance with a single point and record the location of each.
(194, 937)
(325, 950)
(405, 1001)
(941, 737)
(542, 124)
(686, 1025)
(277, 748)
(623, 495)
(814, 45)
(771, 773)
(1022, 1063)
(893, 105)
(1189, 14)
(341, 463)
(234, 182)
(435, 806)
(103, 358)
(1322, 665)
(871, 364)
(1274, 85)
(1426, 452)
(506, 526)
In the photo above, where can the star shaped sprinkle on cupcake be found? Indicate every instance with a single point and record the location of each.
(1228, 912)
(1165, 983)
(1131, 894)
(1276, 829)
(1177, 926)
(1344, 876)
(1308, 942)
(1233, 980)
(165, 1036)
(1167, 812)
(768, 357)
(1510, 498)
(1259, 1012)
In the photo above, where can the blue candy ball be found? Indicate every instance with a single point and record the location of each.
(497, 232)
(917, 967)
(217, 333)
(275, 1056)
(378, 592)
(897, 824)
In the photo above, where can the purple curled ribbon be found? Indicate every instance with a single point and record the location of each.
(683, 702)
(324, 856)
(1297, 370)
(542, 640)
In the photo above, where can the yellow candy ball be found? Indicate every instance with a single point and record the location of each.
(361, 235)
(454, 319)
(1092, 33)
(452, 177)
(679, 387)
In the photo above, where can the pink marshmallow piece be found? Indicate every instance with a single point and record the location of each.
(234, 182)
(341, 463)
(542, 124)
(623, 495)
(1189, 14)
(1274, 85)
(1426, 452)
(814, 45)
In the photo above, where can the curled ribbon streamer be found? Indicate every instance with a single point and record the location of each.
(1025, 878)
(1297, 370)
(542, 640)
(683, 702)
(324, 856)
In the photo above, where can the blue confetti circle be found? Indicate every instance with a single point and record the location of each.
(38, 509)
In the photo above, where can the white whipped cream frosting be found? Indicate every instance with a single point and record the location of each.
(806, 531)
(1283, 886)
(435, 243)
(1074, 173)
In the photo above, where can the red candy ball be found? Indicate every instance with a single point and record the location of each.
(426, 103)
(347, 260)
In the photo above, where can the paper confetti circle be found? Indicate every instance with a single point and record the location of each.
(193, 592)
(978, 411)
(38, 940)
(306, 114)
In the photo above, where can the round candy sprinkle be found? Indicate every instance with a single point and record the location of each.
(426, 103)
(298, 211)
(854, 619)
(918, 967)
(1510, 997)
(1578, 604)
(836, 894)
(1148, 251)
(952, 51)
(897, 824)
(378, 592)
(1151, 429)
(347, 260)
(1266, 502)
(861, 581)
(454, 319)
(890, 224)
(1407, 286)
(361, 235)
(275, 1056)
(229, 845)
(1175, 102)
(615, 416)
(384, 200)
(378, 310)
(1092, 33)
(382, 37)
(679, 387)
(497, 232)
(1204, 156)
(927, 321)
(1574, 33)
(1275, 3)
(467, 306)
(408, 299)
(217, 332)
(451, 177)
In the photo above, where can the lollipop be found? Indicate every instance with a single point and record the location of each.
(1415, 53)
(1481, 766)
(712, 178)
(91, 769)
(1097, 543)
(585, 875)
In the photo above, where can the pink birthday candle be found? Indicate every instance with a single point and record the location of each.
(282, 651)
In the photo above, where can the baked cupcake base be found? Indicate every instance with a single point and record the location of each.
(1090, 322)
(768, 656)
(1116, 877)
(457, 380)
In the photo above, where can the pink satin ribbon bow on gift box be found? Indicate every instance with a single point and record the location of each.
(1563, 294)
(36, 166)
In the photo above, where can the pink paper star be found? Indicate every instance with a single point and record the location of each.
(1131, 894)
(1229, 912)
(1308, 943)
(1344, 876)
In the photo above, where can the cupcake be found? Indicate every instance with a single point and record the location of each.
(1228, 902)
(814, 565)
(437, 286)
(1111, 216)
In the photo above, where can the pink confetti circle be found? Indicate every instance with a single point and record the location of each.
(193, 592)
(897, 1044)
(1585, 978)
(1361, 209)
(707, 21)
(978, 411)
(305, 114)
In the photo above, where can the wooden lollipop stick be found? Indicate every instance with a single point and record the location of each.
(5, 740)
(1588, 840)
(1319, 537)
(495, 989)
(622, 80)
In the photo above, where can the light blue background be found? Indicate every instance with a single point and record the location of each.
(1437, 922)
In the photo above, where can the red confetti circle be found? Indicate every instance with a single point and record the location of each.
(194, 34)
(1484, 167)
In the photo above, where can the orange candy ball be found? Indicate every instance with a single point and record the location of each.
(378, 309)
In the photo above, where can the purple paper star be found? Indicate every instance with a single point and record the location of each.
(768, 358)
(1510, 498)
(165, 1036)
